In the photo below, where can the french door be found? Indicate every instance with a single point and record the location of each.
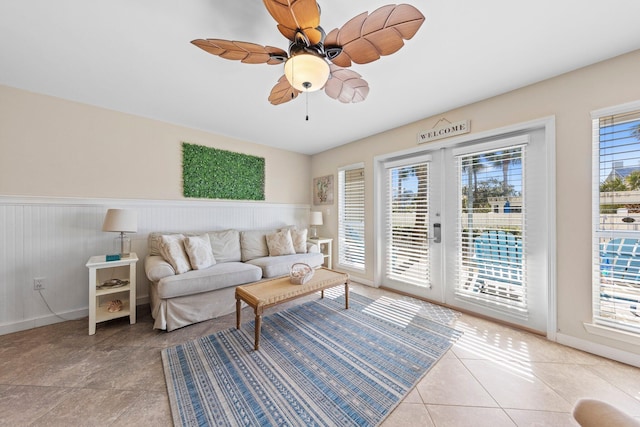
(466, 225)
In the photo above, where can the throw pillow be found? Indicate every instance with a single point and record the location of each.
(280, 243)
(199, 250)
(172, 250)
(299, 238)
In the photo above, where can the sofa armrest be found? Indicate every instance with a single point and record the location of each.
(313, 247)
(157, 268)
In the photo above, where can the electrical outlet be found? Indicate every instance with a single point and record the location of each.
(38, 283)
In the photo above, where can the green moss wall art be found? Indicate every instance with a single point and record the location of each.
(218, 174)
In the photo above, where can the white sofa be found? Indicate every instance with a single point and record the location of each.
(179, 298)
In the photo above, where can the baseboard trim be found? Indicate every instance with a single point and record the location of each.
(37, 322)
(51, 319)
(599, 349)
(361, 281)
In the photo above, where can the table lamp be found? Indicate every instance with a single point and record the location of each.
(316, 219)
(121, 221)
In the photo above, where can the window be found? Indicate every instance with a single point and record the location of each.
(351, 217)
(616, 218)
(491, 227)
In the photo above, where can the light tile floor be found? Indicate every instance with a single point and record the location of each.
(494, 375)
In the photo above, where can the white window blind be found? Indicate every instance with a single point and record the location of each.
(491, 227)
(351, 218)
(616, 215)
(407, 224)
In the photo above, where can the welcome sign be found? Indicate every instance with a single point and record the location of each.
(452, 129)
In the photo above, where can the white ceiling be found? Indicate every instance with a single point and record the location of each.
(134, 56)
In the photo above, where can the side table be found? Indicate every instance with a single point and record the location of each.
(325, 248)
(111, 280)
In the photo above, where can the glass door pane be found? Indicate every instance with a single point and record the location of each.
(491, 238)
(407, 224)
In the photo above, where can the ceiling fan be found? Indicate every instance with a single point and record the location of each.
(318, 60)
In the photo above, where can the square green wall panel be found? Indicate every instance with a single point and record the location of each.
(218, 174)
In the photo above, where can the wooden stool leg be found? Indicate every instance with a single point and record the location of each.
(346, 295)
(238, 313)
(258, 325)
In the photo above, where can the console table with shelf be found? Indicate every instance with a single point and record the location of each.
(111, 280)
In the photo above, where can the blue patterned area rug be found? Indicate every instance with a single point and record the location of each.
(318, 364)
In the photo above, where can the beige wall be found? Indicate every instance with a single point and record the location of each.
(570, 97)
(53, 147)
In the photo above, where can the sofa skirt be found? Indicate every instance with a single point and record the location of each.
(177, 312)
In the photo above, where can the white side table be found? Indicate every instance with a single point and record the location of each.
(325, 250)
(101, 272)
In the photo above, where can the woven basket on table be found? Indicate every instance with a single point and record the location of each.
(300, 273)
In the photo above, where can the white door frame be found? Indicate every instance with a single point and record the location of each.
(549, 126)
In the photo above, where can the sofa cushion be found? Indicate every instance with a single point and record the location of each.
(219, 276)
(299, 238)
(253, 244)
(280, 243)
(280, 265)
(172, 250)
(225, 245)
(198, 249)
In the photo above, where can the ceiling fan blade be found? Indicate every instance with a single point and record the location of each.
(249, 53)
(346, 86)
(282, 92)
(292, 15)
(366, 38)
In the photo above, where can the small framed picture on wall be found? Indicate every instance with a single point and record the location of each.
(323, 190)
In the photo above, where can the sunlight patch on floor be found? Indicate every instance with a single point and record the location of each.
(503, 351)
(399, 312)
(333, 293)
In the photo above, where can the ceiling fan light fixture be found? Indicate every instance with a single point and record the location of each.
(306, 72)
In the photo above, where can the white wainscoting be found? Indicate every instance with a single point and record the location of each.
(54, 237)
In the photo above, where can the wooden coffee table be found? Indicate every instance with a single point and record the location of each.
(272, 292)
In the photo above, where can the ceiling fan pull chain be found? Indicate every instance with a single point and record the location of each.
(307, 97)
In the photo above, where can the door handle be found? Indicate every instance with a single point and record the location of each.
(437, 233)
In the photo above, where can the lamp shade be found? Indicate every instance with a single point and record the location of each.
(316, 218)
(121, 220)
(306, 72)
